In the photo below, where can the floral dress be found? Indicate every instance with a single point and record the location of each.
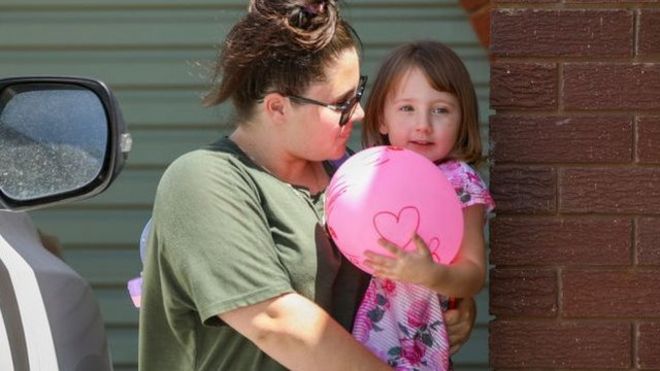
(403, 323)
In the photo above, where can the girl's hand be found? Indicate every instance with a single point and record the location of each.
(408, 266)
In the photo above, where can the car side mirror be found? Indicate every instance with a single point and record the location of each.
(61, 139)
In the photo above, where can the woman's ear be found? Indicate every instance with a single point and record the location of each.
(275, 107)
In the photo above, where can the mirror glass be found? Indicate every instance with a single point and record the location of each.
(53, 139)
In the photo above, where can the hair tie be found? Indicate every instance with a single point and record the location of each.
(314, 9)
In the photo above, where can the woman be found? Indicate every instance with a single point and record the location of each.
(240, 274)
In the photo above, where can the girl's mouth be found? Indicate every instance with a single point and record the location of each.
(421, 142)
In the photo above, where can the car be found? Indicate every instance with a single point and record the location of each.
(62, 139)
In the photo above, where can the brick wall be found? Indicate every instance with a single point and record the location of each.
(575, 149)
(479, 13)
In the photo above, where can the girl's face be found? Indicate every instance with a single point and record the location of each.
(315, 133)
(420, 118)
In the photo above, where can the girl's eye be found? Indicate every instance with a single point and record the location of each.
(439, 111)
(406, 108)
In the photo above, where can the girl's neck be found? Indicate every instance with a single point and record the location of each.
(266, 151)
(442, 160)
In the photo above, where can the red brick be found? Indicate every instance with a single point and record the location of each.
(648, 345)
(472, 5)
(610, 1)
(611, 293)
(561, 139)
(538, 344)
(480, 21)
(647, 241)
(524, 86)
(548, 32)
(524, 189)
(612, 86)
(523, 292)
(648, 140)
(616, 190)
(560, 241)
(649, 32)
(524, 1)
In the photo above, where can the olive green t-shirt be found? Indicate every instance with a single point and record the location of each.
(227, 234)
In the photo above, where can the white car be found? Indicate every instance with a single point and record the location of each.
(61, 139)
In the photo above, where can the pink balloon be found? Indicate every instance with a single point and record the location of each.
(392, 192)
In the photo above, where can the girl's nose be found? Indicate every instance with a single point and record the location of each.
(423, 122)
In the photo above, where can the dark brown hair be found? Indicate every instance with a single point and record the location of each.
(280, 45)
(445, 72)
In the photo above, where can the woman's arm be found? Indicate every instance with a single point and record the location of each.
(300, 335)
(464, 277)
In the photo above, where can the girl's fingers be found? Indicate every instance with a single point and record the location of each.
(420, 244)
(376, 257)
(392, 248)
(378, 261)
(381, 273)
(422, 247)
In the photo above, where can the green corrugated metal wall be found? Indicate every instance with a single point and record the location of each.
(153, 54)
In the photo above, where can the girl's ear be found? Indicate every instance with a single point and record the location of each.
(382, 128)
(275, 107)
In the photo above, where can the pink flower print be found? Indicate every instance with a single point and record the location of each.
(473, 178)
(450, 165)
(389, 286)
(418, 314)
(369, 298)
(368, 326)
(412, 351)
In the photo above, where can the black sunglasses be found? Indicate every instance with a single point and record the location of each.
(346, 108)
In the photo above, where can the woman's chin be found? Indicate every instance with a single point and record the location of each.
(338, 154)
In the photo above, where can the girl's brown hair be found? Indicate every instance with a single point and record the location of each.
(445, 72)
(280, 45)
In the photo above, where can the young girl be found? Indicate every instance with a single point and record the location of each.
(423, 100)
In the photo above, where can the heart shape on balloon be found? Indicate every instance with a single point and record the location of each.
(397, 228)
(434, 246)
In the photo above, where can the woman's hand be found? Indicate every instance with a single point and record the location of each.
(407, 266)
(460, 322)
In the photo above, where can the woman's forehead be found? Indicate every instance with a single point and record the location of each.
(341, 75)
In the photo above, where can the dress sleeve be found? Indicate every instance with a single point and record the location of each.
(215, 251)
(470, 188)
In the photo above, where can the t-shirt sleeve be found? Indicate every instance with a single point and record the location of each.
(215, 249)
(470, 187)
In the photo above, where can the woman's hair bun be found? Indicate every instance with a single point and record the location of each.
(310, 24)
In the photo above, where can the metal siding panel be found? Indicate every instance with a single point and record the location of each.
(155, 55)
(116, 306)
(123, 343)
(94, 228)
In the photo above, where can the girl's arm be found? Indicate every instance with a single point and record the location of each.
(300, 335)
(464, 277)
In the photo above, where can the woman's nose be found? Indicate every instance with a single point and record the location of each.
(358, 115)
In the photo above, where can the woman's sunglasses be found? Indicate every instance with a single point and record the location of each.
(346, 108)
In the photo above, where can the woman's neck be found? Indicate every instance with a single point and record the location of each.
(267, 151)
